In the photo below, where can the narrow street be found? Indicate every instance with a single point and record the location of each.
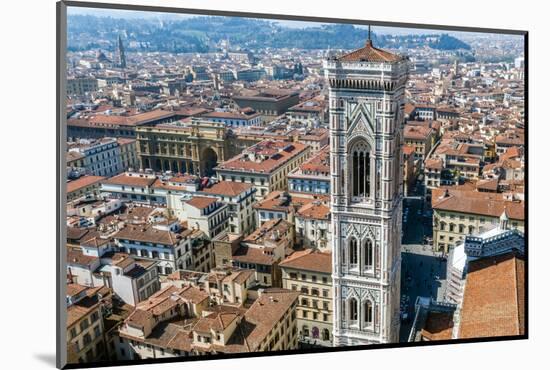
(423, 273)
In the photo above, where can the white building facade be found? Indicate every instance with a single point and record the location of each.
(366, 97)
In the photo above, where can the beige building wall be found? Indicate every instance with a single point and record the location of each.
(85, 337)
(451, 227)
(314, 303)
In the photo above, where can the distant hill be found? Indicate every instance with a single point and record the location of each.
(203, 34)
(446, 42)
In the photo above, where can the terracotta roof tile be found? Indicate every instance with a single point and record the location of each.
(129, 179)
(228, 188)
(474, 202)
(83, 182)
(438, 326)
(201, 202)
(369, 53)
(147, 233)
(314, 210)
(493, 303)
(268, 156)
(310, 260)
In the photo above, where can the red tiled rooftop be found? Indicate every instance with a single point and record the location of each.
(277, 152)
(474, 202)
(83, 182)
(493, 303)
(201, 202)
(310, 260)
(228, 188)
(128, 179)
(369, 53)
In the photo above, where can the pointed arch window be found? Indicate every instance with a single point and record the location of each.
(369, 255)
(360, 170)
(343, 256)
(368, 313)
(353, 252)
(344, 311)
(353, 309)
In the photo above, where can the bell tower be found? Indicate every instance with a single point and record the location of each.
(121, 56)
(366, 97)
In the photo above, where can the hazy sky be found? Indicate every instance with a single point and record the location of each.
(136, 14)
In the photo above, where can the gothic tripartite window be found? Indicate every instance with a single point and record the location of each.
(360, 170)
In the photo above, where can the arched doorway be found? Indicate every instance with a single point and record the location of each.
(209, 160)
(315, 332)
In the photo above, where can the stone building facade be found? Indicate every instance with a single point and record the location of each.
(366, 94)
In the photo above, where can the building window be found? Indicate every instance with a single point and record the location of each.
(353, 252)
(326, 334)
(315, 332)
(84, 325)
(344, 311)
(368, 313)
(369, 255)
(87, 339)
(353, 309)
(360, 170)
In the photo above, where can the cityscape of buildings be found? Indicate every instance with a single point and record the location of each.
(260, 198)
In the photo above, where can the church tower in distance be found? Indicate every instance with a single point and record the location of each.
(366, 97)
(121, 56)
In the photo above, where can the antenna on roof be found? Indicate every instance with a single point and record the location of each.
(369, 40)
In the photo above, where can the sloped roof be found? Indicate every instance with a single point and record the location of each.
(228, 188)
(480, 203)
(310, 260)
(493, 303)
(369, 53)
